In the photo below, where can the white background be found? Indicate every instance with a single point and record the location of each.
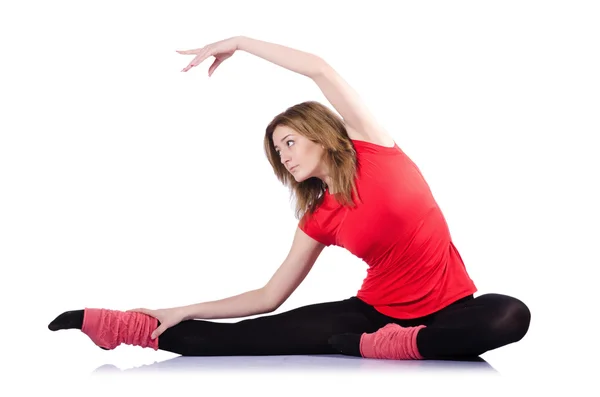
(125, 183)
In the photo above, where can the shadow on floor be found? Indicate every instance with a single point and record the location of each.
(302, 363)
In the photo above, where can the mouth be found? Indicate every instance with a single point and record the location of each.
(293, 168)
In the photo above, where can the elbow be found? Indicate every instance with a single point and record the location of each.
(270, 303)
(319, 67)
(270, 308)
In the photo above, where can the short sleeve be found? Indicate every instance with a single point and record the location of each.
(309, 225)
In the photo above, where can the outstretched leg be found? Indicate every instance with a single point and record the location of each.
(109, 328)
(304, 330)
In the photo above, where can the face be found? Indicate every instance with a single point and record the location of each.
(297, 151)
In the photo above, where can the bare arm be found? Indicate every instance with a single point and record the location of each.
(346, 101)
(294, 269)
(302, 256)
(297, 61)
(242, 305)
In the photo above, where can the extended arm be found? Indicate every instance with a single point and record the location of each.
(338, 92)
(301, 62)
(246, 304)
(294, 269)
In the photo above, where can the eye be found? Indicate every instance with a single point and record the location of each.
(286, 142)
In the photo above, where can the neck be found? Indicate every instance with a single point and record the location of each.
(327, 182)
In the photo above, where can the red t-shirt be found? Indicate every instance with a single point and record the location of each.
(399, 231)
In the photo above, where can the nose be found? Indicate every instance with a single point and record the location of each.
(285, 159)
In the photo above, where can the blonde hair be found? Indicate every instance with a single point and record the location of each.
(320, 125)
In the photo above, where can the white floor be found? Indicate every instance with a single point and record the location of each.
(303, 364)
(70, 358)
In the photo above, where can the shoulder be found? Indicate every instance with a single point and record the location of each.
(377, 136)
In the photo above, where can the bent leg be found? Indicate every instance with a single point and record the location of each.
(464, 329)
(474, 327)
(304, 330)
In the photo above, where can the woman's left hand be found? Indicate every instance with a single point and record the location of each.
(221, 50)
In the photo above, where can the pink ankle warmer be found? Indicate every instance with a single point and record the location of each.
(391, 342)
(109, 328)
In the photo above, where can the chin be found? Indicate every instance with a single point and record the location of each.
(299, 178)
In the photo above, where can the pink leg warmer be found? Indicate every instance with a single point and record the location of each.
(109, 328)
(391, 342)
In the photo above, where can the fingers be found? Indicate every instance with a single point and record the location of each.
(201, 55)
(197, 50)
(191, 64)
(158, 331)
(149, 312)
(212, 68)
(142, 310)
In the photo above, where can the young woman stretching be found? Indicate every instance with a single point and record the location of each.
(357, 189)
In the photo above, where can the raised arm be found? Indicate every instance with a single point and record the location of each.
(361, 124)
(358, 119)
(301, 62)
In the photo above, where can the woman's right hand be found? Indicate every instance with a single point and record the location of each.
(221, 50)
(166, 317)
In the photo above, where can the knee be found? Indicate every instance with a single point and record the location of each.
(512, 322)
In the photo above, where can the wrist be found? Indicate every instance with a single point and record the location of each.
(239, 42)
(186, 312)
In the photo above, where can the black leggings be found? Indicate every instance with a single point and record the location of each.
(466, 328)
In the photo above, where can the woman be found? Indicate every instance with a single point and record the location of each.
(356, 189)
